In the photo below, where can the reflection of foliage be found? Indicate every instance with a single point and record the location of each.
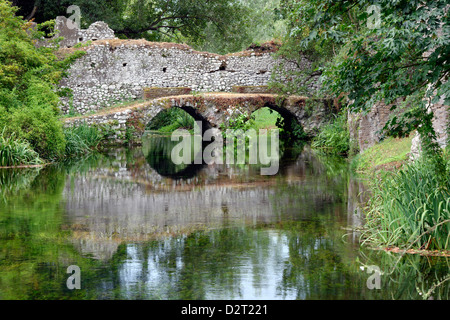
(411, 277)
(158, 152)
(34, 254)
(334, 165)
(14, 180)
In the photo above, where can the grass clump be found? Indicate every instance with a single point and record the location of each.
(82, 139)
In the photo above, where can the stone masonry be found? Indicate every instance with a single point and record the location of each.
(116, 70)
(213, 109)
(73, 35)
(365, 130)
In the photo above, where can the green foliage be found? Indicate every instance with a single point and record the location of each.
(257, 21)
(185, 121)
(403, 58)
(16, 152)
(82, 139)
(28, 93)
(214, 26)
(410, 209)
(40, 127)
(170, 120)
(334, 137)
(198, 22)
(291, 132)
(241, 121)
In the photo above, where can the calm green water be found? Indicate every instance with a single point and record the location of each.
(141, 228)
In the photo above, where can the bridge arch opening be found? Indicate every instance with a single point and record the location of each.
(271, 116)
(171, 119)
(157, 144)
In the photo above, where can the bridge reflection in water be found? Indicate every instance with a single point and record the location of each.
(141, 195)
(225, 232)
(161, 216)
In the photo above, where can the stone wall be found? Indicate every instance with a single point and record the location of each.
(73, 35)
(154, 93)
(251, 89)
(365, 129)
(115, 70)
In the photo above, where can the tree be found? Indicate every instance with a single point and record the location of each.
(28, 94)
(155, 20)
(390, 51)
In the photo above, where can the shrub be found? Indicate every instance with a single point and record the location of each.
(41, 128)
(29, 96)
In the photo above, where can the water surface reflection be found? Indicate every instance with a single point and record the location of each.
(223, 232)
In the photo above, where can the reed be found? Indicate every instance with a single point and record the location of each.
(82, 139)
(410, 209)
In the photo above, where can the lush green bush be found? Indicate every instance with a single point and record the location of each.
(39, 126)
(15, 152)
(410, 209)
(170, 120)
(334, 138)
(28, 86)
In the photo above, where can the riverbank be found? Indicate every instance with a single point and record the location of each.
(409, 207)
(388, 155)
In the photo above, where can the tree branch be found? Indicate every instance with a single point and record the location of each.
(37, 4)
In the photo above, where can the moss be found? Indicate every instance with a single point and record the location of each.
(386, 155)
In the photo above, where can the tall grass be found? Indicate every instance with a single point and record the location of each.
(410, 209)
(82, 139)
(16, 152)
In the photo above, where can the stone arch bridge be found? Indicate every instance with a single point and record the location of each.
(212, 109)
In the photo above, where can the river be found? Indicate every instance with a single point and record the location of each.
(139, 227)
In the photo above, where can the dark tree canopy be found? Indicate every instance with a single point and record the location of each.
(156, 20)
(396, 52)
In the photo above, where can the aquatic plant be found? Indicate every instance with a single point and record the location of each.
(82, 139)
(410, 209)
